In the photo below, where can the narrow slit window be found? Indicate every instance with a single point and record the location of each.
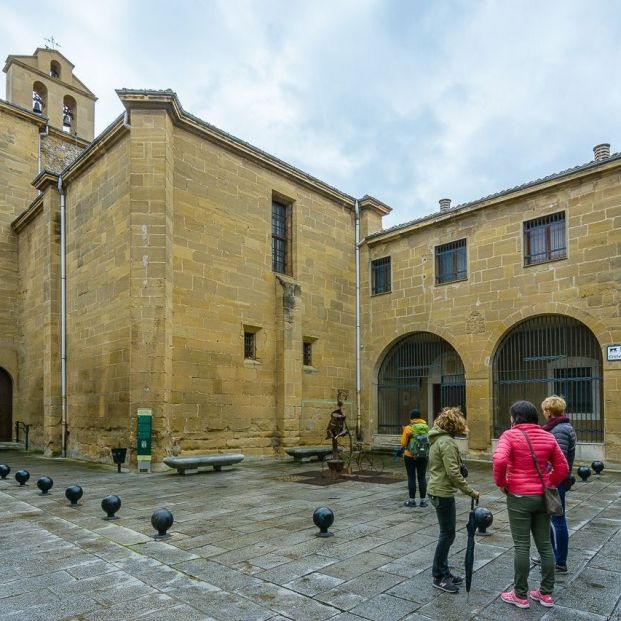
(281, 237)
(250, 345)
(308, 354)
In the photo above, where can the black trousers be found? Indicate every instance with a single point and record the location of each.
(416, 469)
(446, 513)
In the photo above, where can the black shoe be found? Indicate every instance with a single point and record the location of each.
(423, 502)
(560, 569)
(456, 579)
(445, 584)
(409, 503)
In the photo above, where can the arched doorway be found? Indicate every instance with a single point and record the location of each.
(421, 371)
(545, 355)
(6, 406)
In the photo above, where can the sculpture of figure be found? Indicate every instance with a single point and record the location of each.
(337, 427)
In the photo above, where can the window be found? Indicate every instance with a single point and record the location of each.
(281, 216)
(380, 276)
(451, 262)
(544, 239)
(308, 354)
(55, 69)
(250, 345)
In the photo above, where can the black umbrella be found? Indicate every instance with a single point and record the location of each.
(471, 527)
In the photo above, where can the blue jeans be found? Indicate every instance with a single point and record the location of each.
(558, 532)
(447, 517)
(416, 467)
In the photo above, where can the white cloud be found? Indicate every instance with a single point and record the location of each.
(410, 102)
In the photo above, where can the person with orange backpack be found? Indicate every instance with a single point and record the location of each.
(415, 447)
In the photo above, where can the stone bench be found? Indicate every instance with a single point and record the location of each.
(305, 453)
(190, 465)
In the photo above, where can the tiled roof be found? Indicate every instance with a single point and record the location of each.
(530, 184)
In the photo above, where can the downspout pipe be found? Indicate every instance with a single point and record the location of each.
(63, 322)
(358, 382)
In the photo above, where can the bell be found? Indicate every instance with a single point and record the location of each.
(66, 120)
(36, 106)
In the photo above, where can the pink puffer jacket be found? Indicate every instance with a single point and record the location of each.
(513, 464)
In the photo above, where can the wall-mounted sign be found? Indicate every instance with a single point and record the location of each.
(614, 352)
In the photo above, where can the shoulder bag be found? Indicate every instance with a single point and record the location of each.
(551, 497)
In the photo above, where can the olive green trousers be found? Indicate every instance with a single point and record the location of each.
(527, 515)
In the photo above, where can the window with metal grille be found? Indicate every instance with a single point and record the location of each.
(451, 262)
(380, 276)
(576, 386)
(280, 237)
(250, 345)
(308, 354)
(544, 239)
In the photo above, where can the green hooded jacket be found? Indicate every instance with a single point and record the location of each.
(444, 476)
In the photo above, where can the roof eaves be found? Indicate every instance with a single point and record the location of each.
(502, 194)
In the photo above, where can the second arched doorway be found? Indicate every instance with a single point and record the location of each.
(421, 371)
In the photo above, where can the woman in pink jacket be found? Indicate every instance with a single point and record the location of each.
(516, 474)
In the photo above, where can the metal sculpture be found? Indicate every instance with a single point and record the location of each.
(161, 520)
(21, 476)
(4, 471)
(584, 472)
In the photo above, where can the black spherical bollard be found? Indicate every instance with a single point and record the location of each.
(21, 476)
(597, 466)
(45, 485)
(162, 520)
(484, 519)
(323, 517)
(584, 472)
(74, 493)
(4, 471)
(111, 504)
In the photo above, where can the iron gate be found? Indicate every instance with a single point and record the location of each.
(545, 355)
(421, 371)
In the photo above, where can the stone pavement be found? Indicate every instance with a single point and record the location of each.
(243, 547)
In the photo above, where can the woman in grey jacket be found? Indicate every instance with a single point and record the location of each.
(559, 426)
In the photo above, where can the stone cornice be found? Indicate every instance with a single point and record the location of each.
(167, 99)
(34, 209)
(369, 202)
(44, 179)
(82, 91)
(23, 113)
(110, 136)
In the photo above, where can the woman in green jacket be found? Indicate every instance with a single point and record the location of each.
(445, 480)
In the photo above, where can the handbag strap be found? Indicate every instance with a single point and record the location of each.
(532, 454)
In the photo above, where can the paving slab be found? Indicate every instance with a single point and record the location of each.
(243, 547)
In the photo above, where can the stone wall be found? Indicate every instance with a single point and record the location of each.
(98, 314)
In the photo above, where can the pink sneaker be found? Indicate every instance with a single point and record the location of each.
(545, 600)
(511, 598)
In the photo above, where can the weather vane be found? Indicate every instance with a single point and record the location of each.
(53, 44)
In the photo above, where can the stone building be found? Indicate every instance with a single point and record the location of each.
(168, 267)
(514, 296)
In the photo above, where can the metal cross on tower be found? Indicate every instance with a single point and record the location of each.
(53, 44)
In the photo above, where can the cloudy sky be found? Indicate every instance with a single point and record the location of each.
(407, 100)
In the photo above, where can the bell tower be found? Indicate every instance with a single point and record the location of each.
(45, 84)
